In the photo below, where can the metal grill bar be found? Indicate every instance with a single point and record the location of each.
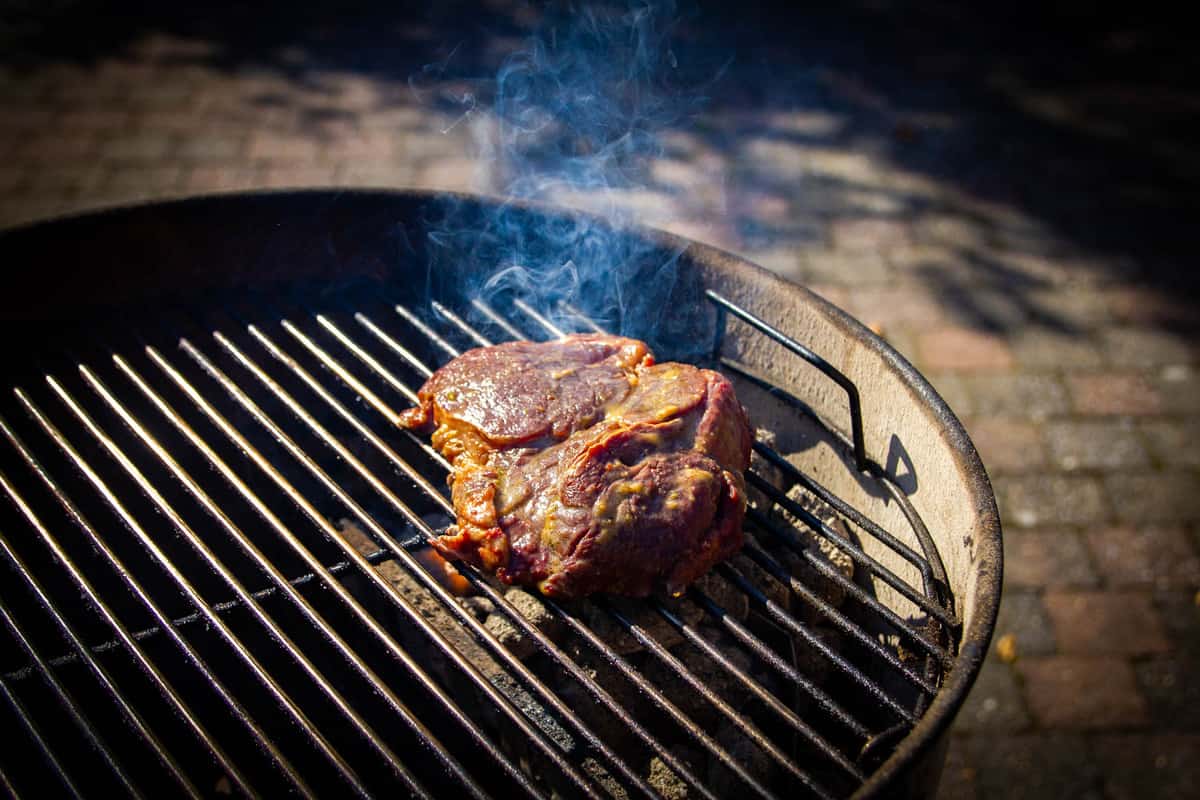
(772, 659)
(381, 488)
(477, 583)
(837, 618)
(481, 633)
(132, 525)
(423, 369)
(783, 618)
(394, 596)
(145, 666)
(332, 364)
(647, 688)
(353, 556)
(138, 592)
(496, 319)
(928, 568)
(102, 676)
(36, 736)
(739, 721)
(677, 666)
(277, 634)
(932, 571)
(754, 687)
(862, 559)
(368, 733)
(6, 786)
(849, 742)
(778, 572)
(68, 703)
(223, 607)
(380, 689)
(314, 564)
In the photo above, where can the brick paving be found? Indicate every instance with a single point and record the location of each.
(1070, 352)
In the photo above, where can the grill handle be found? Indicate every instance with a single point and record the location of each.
(724, 306)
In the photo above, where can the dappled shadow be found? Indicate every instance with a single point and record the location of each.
(1050, 136)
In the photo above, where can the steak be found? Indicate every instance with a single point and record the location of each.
(580, 465)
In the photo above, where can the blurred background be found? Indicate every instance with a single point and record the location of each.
(1001, 192)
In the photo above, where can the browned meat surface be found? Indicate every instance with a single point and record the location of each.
(580, 465)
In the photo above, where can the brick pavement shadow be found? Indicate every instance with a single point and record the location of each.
(1083, 124)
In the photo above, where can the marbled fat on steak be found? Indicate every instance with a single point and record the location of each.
(581, 466)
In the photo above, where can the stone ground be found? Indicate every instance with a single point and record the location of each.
(1011, 221)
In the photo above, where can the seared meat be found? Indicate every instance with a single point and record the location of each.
(580, 465)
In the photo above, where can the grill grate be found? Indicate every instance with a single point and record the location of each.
(186, 616)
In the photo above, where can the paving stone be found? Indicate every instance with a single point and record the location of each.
(1041, 766)
(77, 177)
(222, 178)
(106, 120)
(875, 235)
(935, 265)
(59, 147)
(1113, 393)
(1007, 445)
(1051, 557)
(963, 349)
(142, 148)
(954, 230)
(1084, 692)
(1144, 347)
(1174, 443)
(271, 147)
(1017, 395)
(1163, 766)
(11, 176)
(371, 176)
(1157, 556)
(985, 307)
(1155, 497)
(1171, 685)
(27, 118)
(1082, 310)
(209, 148)
(1032, 500)
(1095, 445)
(807, 123)
(298, 175)
(1042, 349)
(1179, 609)
(1105, 622)
(1026, 267)
(958, 773)
(1178, 389)
(147, 181)
(452, 174)
(370, 146)
(1023, 617)
(1152, 306)
(995, 703)
(163, 94)
(849, 268)
(893, 305)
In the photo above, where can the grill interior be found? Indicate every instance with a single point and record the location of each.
(217, 580)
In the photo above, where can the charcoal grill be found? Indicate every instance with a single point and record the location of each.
(214, 538)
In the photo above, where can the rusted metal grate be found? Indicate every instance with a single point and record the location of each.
(217, 581)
